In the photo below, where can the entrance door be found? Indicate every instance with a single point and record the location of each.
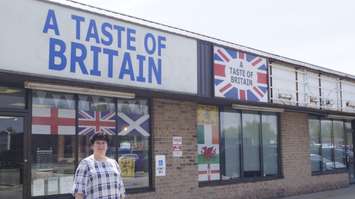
(11, 156)
(350, 150)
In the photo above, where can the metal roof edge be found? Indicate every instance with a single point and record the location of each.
(192, 35)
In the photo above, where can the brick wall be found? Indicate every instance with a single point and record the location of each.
(172, 118)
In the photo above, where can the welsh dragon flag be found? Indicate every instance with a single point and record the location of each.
(208, 152)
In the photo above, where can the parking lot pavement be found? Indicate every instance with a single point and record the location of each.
(343, 193)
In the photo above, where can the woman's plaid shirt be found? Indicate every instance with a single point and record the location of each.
(98, 179)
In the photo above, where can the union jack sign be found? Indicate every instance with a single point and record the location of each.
(239, 75)
(91, 122)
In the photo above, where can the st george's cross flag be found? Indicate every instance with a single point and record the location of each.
(208, 172)
(54, 121)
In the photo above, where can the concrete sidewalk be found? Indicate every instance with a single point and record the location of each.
(343, 193)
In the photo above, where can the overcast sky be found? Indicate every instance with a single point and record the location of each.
(320, 32)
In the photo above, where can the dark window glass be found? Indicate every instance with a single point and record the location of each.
(339, 144)
(95, 114)
(11, 157)
(12, 97)
(350, 149)
(53, 143)
(315, 146)
(251, 143)
(133, 138)
(270, 144)
(328, 149)
(327, 145)
(231, 128)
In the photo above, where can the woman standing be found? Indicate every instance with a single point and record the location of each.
(97, 176)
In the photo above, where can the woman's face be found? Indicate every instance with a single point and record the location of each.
(99, 147)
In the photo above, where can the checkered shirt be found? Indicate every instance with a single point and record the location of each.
(98, 179)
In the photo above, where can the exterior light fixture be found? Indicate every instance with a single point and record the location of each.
(78, 90)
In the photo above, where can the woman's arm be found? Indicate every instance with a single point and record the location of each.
(79, 196)
(80, 180)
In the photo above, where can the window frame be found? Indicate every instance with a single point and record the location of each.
(27, 95)
(76, 99)
(335, 170)
(243, 179)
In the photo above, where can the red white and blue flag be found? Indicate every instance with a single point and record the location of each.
(239, 75)
(91, 122)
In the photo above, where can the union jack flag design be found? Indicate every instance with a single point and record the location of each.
(239, 75)
(91, 122)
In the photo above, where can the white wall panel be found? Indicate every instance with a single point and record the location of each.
(308, 89)
(348, 96)
(330, 93)
(283, 84)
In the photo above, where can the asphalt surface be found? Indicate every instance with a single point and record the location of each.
(343, 193)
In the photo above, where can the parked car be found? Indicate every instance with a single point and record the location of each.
(327, 164)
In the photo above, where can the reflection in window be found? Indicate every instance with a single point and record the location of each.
(54, 119)
(133, 138)
(327, 144)
(11, 157)
(251, 142)
(53, 141)
(95, 114)
(315, 146)
(269, 134)
(230, 127)
(339, 144)
(12, 97)
(350, 149)
(257, 135)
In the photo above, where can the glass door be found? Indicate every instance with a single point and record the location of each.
(11, 156)
(350, 151)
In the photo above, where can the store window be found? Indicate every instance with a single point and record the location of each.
(327, 144)
(133, 141)
(249, 144)
(327, 147)
(57, 123)
(208, 158)
(339, 145)
(269, 133)
(95, 114)
(231, 144)
(12, 97)
(315, 144)
(53, 143)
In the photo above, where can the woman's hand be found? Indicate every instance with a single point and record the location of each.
(79, 196)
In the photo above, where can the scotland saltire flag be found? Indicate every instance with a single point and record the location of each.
(91, 122)
(133, 123)
(239, 75)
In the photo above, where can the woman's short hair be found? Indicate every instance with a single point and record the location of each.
(100, 136)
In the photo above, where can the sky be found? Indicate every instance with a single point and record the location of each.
(320, 32)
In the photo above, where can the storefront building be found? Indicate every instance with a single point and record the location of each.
(189, 116)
